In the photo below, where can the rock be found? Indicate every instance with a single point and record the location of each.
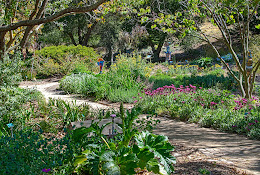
(102, 122)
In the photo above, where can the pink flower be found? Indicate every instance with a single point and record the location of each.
(250, 108)
(200, 87)
(195, 99)
(135, 101)
(140, 97)
(113, 115)
(256, 121)
(174, 98)
(202, 104)
(222, 101)
(183, 102)
(235, 108)
(250, 124)
(134, 97)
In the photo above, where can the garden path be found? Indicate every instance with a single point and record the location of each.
(224, 148)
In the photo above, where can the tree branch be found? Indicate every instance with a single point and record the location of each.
(62, 13)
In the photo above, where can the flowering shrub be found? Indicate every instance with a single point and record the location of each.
(208, 107)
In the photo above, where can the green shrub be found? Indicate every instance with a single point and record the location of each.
(120, 83)
(65, 59)
(12, 108)
(204, 62)
(207, 81)
(28, 153)
(10, 71)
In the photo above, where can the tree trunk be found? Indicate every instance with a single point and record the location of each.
(88, 34)
(2, 45)
(26, 36)
(109, 55)
(156, 52)
(72, 38)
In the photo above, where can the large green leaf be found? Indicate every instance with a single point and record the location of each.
(161, 148)
(80, 133)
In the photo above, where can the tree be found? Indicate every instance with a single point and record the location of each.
(144, 14)
(22, 17)
(226, 15)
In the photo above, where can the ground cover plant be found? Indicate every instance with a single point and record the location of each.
(208, 107)
(119, 84)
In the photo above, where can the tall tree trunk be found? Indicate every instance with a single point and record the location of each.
(88, 34)
(109, 55)
(2, 45)
(70, 34)
(156, 52)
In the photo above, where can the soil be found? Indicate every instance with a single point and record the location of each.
(196, 149)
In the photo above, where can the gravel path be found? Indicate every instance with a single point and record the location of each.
(218, 148)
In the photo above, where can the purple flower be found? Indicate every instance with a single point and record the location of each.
(235, 108)
(113, 115)
(134, 97)
(183, 102)
(46, 170)
(250, 124)
(135, 101)
(140, 97)
(256, 121)
(234, 126)
(200, 87)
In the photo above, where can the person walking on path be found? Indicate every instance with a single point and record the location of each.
(101, 64)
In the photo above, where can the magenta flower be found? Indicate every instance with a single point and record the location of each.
(195, 99)
(250, 124)
(134, 97)
(46, 170)
(222, 101)
(256, 121)
(250, 107)
(200, 87)
(183, 102)
(140, 97)
(234, 126)
(202, 104)
(235, 108)
(174, 98)
(135, 101)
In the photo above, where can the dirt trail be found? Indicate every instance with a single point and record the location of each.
(224, 148)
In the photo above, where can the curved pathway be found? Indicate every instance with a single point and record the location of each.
(230, 149)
